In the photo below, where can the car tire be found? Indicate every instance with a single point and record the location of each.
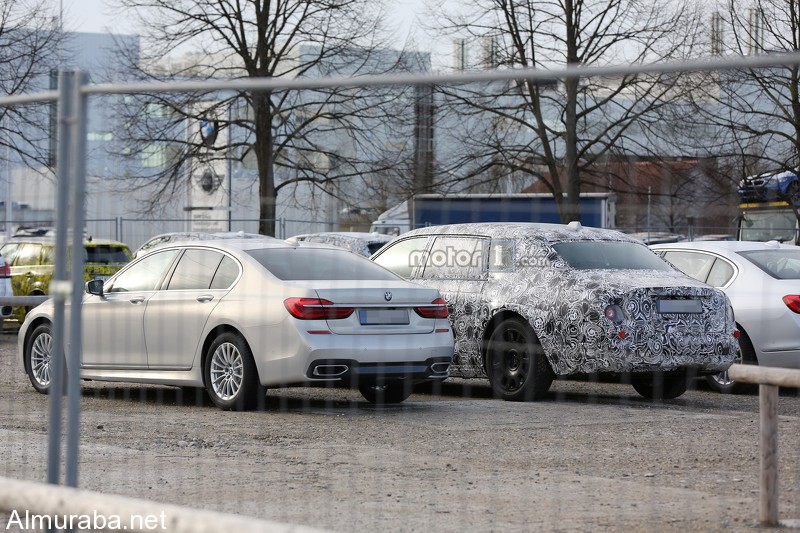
(396, 391)
(231, 376)
(515, 362)
(38, 357)
(661, 385)
(720, 382)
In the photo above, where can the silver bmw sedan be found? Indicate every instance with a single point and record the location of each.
(239, 316)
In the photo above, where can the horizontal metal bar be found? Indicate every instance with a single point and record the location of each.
(22, 499)
(781, 377)
(33, 98)
(22, 300)
(535, 74)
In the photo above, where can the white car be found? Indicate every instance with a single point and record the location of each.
(361, 243)
(164, 239)
(239, 316)
(762, 281)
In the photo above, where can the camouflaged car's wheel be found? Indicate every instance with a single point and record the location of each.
(661, 385)
(721, 382)
(38, 358)
(396, 391)
(515, 362)
(231, 375)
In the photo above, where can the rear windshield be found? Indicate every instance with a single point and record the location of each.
(609, 255)
(780, 264)
(107, 253)
(319, 264)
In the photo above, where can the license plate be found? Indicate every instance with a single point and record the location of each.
(692, 306)
(383, 317)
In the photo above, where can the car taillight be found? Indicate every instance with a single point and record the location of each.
(315, 309)
(792, 301)
(437, 309)
(5, 271)
(614, 313)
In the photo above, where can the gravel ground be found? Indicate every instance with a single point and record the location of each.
(590, 457)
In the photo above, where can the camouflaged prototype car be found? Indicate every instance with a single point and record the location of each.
(32, 259)
(529, 302)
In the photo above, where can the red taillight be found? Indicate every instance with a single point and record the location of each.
(792, 301)
(315, 309)
(5, 271)
(437, 309)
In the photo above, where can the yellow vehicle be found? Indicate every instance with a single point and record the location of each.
(32, 260)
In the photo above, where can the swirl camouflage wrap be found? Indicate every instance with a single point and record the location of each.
(596, 299)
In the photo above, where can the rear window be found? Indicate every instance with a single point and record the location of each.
(780, 264)
(318, 264)
(609, 255)
(107, 253)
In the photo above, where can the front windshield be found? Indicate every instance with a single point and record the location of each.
(769, 226)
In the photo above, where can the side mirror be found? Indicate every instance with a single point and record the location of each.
(95, 287)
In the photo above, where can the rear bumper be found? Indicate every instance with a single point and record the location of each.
(352, 371)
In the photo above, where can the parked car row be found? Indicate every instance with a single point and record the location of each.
(517, 304)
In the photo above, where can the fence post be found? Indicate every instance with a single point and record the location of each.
(768, 422)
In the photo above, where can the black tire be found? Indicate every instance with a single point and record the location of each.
(396, 391)
(661, 385)
(231, 376)
(722, 383)
(38, 357)
(515, 362)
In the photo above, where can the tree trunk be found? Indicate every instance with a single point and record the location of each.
(267, 201)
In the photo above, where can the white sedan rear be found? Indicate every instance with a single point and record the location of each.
(239, 316)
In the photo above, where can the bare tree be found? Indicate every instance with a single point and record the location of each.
(757, 111)
(29, 44)
(312, 137)
(559, 133)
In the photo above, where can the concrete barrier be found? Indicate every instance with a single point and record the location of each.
(38, 505)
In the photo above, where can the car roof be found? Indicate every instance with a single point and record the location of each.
(245, 244)
(362, 235)
(724, 246)
(508, 230)
(87, 241)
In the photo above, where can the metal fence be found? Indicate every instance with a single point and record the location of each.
(263, 482)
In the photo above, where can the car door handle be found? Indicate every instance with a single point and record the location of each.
(205, 298)
(137, 299)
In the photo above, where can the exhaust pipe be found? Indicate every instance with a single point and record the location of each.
(440, 368)
(329, 371)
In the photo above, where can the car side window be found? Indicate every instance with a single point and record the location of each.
(28, 254)
(403, 256)
(694, 264)
(457, 258)
(48, 255)
(144, 275)
(720, 274)
(9, 251)
(195, 270)
(226, 274)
